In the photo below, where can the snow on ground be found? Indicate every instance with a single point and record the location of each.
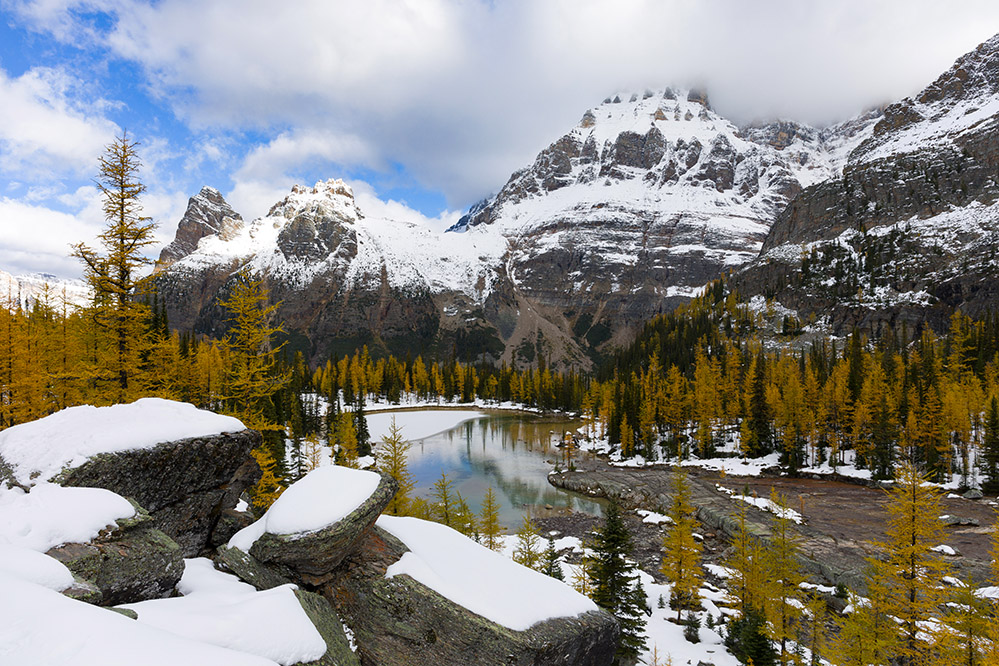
(217, 608)
(944, 549)
(41, 449)
(40, 626)
(319, 499)
(653, 518)
(416, 425)
(51, 515)
(34, 567)
(452, 565)
(764, 504)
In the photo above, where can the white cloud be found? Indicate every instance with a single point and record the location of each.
(463, 93)
(38, 238)
(372, 206)
(45, 130)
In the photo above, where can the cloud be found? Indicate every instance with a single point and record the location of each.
(371, 205)
(34, 237)
(463, 93)
(45, 130)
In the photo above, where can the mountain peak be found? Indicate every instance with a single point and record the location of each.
(207, 214)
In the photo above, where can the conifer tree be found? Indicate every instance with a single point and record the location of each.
(445, 505)
(489, 524)
(346, 440)
(911, 570)
(615, 588)
(682, 552)
(550, 565)
(867, 634)
(392, 462)
(781, 606)
(527, 552)
(990, 444)
(113, 276)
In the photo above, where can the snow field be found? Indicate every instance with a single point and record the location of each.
(218, 609)
(415, 425)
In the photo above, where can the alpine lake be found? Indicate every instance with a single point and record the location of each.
(511, 452)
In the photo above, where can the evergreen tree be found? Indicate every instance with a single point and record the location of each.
(781, 605)
(910, 569)
(990, 444)
(392, 461)
(489, 524)
(113, 276)
(527, 551)
(615, 588)
(361, 428)
(747, 639)
(550, 564)
(682, 552)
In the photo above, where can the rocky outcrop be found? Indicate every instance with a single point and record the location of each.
(326, 621)
(311, 558)
(399, 621)
(185, 485)
(207, 214)
(916, 209)
(132, 562)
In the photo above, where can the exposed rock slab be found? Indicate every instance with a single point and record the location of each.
(399, 621)
(185, 485)
(133, 562)
(324, 618)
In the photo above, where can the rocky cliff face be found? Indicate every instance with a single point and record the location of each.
(624, 217)
(909, 231)
(207, 214)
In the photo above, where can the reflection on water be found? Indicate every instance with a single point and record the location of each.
(513, 453)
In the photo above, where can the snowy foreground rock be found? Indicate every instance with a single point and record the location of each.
(98, 507)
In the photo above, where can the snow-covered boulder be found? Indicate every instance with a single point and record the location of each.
(439, 598)
(107, 546)
(182, 464)
(317, 522)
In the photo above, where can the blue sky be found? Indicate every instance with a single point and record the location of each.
(424, 106)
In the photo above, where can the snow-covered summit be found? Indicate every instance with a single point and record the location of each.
(963, 100)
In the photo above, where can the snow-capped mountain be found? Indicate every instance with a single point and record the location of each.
(911, 229)
(625, 216)
(33, 287)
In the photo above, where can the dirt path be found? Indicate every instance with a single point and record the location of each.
(840, 519)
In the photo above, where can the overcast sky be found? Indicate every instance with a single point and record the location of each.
(424, 106)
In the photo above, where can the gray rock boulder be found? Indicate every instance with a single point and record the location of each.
(327, 623)
(132, 562)
(312, 557)
(400, 621)
(185, 485)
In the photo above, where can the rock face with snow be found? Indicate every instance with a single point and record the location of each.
(908, 233)
(399, 621)
(185, 485)
(207, 214)
(132, 562)
(183, 465)
(623, 217)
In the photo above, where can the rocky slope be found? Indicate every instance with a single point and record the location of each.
(625, 216)
(911, 229)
